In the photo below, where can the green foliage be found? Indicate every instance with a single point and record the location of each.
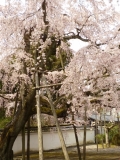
(116, 140)
(53, 62)
(3, 120)
(100, 138)
(114, 135)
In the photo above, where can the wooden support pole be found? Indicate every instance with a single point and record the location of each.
(22, 93)
(77, 142)
(96, 132)
(47, 86)
(57, 124)
(38, 108)
(84, 138)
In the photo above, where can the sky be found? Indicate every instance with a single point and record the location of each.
(76, 44)
(2, 2)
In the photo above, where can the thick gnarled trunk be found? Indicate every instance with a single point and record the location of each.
(12, 130)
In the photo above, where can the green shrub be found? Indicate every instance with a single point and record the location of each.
(116, 140)
(4, 121)
(114, 135)
(100, 138)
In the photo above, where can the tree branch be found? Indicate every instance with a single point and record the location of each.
(44, 12)
(72, 35)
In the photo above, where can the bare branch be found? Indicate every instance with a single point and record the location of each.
(72, 35)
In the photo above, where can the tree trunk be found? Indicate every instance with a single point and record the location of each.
(11, 131)
(28, 139)
(21, 116)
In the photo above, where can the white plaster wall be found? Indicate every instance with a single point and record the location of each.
(51, 139)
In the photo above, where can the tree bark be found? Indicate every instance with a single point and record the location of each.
(28, 139)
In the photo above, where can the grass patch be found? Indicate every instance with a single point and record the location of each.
(4, 121)
(89, 156)
(103, 156)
